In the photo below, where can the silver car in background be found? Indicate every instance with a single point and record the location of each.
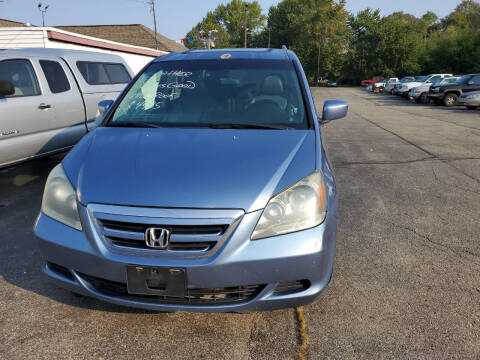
(470, 100)
(49, 98)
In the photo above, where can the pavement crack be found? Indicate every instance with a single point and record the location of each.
(438, 245)
(454, 185)
(391, 162)
(399, 136)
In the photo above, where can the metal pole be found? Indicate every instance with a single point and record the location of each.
(245, 27)
(268, 38)
(154, 22)
(318, 61)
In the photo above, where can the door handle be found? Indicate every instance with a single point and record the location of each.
(44, 106)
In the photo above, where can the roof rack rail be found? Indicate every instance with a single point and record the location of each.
(284, 48)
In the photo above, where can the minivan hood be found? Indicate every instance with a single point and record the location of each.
(193, 168)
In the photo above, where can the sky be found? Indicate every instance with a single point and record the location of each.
(175, 18)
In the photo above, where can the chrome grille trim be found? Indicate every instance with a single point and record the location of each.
(190, 229)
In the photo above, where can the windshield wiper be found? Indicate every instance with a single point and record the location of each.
(139, 124)
(248, 126)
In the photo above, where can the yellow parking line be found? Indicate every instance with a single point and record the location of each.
(21, 180)
(302, 329)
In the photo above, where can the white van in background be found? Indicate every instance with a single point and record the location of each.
(49, 98)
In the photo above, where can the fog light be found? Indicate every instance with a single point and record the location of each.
(291, 287)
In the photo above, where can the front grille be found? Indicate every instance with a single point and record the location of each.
(177, 229)
(207, 296)
(182, 237)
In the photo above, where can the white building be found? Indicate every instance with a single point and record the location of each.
(135, 43)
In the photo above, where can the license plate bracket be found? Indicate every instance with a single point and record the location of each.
(149, 280)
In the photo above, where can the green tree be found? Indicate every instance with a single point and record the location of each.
(315, 30)
(228, 22)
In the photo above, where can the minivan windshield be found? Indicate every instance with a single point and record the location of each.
(214, 93)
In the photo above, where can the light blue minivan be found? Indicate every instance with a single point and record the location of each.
(206, 188)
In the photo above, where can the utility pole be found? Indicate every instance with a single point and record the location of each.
(245, 27)
(318, 61)
(43, 11)
(269, 30)
(152, 9)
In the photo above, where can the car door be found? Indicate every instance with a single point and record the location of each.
(473, 84)
(25, 115)
(62, 94)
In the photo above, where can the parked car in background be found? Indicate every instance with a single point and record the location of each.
(382, 85)
(405, 87)
(49, 98)
(147, 212)
(372, 80)
(470, 100)
(420, 93)
(448, 94)
(393, 88)
(332, 83)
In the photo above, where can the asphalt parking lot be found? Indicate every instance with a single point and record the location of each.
(406, 281)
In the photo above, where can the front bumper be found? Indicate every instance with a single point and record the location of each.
(304, 255)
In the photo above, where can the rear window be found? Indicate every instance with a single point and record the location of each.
(214, 92)
(98, 73)
(56, 77)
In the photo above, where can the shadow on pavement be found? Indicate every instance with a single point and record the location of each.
(21, 189)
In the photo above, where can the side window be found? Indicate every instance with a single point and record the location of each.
(96, 73)
(22, 76)
(93, 73)
(476, 80)
(56, 77)
(117, 73)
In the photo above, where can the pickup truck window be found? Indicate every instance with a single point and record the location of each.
(56, 77)
(97, 73)
(476, 80)
(22, 76)
(214, 93)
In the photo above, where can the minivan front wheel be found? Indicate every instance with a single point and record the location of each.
(450, 99)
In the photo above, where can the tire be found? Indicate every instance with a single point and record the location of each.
(424, 98)
(471, 107)
(450, 100)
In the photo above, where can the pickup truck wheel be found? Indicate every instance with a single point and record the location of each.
(450, 100)
(424, 98)
(472, 107)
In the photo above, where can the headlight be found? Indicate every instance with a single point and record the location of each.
(59, 199)
(302, 206)
(417, 91)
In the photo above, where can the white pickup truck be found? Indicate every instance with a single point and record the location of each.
(405, 88)
(49, 98)
(420, 93)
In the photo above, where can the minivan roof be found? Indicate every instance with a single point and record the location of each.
(245, 54)
(59, 52)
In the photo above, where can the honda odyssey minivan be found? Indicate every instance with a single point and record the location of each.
(206, 188)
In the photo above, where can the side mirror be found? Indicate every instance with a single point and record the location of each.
(332, 110)
(103, 106)
(6, 88)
